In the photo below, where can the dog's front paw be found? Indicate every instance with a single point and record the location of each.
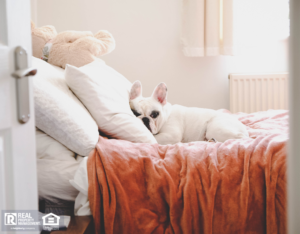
(213, 140)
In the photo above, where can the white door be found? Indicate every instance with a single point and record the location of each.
(18, 180)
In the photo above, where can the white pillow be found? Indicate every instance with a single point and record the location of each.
(59, 113)
(105, 93)
(56, 165)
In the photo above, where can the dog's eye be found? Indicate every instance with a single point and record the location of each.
(154, 114)
(135, 113)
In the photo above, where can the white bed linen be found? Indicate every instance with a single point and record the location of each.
(56, 165)
(80, 182)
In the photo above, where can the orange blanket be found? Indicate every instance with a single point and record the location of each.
(234, 187)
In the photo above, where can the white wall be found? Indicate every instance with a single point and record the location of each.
(148, 48)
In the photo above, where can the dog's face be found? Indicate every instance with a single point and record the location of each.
(153, 111)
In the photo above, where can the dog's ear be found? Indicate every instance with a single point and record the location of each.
(136, 90)
(160, 93)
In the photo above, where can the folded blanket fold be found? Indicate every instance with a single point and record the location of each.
(238, 186)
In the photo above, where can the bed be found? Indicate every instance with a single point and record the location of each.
(238, 186)
(130, 184)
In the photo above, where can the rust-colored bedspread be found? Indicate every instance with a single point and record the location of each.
(234, 187)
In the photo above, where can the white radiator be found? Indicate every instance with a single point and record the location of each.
(258, 92)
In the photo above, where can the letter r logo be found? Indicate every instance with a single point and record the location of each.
(10, 219)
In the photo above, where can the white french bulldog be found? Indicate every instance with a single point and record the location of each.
(171, 124)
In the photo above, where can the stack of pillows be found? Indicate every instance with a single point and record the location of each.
(72, 104)
(70, 107)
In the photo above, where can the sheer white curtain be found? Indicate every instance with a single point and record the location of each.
(225, 27)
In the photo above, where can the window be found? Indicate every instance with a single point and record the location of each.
(260, 23)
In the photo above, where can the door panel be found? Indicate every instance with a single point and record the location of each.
(18, 180)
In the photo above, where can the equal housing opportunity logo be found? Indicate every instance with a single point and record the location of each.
(30, 220)
(50, 219)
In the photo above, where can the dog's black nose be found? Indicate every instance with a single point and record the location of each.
(145, 120)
